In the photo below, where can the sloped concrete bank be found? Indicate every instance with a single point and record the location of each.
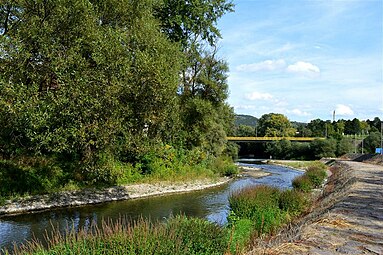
(94, 196)
(347, 217)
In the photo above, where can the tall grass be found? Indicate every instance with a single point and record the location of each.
(261, 210)
(268, 208)
(312, 178)
(180, 235)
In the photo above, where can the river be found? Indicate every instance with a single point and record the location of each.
(211, 204)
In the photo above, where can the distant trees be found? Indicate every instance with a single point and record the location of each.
(340, 135)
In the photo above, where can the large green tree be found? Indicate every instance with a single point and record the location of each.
(275, 125)
(82, 77)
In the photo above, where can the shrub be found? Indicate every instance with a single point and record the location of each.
(303, 183)
(316, 175)
(27, 175)
(293, 202)
(259, 204)
(223, 166)
(199, 236)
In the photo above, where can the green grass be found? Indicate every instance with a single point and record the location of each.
(312, 178)
(268, 208)
(299, 164)
(180, 235)
(27, 175)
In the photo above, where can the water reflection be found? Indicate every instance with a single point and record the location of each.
(211, 204)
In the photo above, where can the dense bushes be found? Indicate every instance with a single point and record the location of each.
(117, 90)
(312, 178)
(29, 175)
(37, 175)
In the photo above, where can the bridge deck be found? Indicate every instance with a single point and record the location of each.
(268, 139)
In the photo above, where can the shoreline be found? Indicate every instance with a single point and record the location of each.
(96, 196)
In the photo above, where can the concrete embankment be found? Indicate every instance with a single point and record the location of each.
(346, 219)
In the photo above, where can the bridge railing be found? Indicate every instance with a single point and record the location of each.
(265, 139)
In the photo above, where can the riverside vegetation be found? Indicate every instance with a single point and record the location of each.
(255, 212)
(101, 93)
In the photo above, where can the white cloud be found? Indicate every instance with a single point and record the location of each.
(303, 68)
(259, 96)
(343, 110)
(267, 65)
(300, 112)
(244, 107)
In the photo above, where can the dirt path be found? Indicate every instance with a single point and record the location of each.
(353, 224)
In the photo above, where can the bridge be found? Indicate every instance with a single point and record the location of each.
(270, 139)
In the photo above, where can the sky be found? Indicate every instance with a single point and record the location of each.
(305, 58)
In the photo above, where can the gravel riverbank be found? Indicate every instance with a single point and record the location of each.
(95, 196)
(133, 191)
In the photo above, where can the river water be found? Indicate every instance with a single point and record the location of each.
(211, 204)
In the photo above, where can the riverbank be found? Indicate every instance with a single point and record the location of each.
(346, 219)
(96, 196)
(133, 191)
(255, 172)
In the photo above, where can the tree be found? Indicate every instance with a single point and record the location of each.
(353, 127)
(372, 141)
(245, 131)
(275, 125)
(324, 148)
(280, 149)
(317, 127)
(84, 79)
(189, 21)
(344, 146)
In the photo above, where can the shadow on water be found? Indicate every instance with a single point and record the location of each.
(211, 204)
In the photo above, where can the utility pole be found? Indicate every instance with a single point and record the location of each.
(333, 116)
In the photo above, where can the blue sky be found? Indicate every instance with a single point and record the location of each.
(305, 58)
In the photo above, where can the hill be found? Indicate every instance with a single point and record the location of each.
(248, 120)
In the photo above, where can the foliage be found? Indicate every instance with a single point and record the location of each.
(240, 234)
(303, 183)
(275, 125)
(97, 84)
(372, 141)
(260, 205)
(266, 207)
(245, 131)
(324, 148)
(293, 202)
(184, 21)
(280, 149)
(30, 176)
(344, 146)
(312, 178)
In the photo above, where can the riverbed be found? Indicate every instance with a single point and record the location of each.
(211, 204)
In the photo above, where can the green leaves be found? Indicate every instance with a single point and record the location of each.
(87, 78)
